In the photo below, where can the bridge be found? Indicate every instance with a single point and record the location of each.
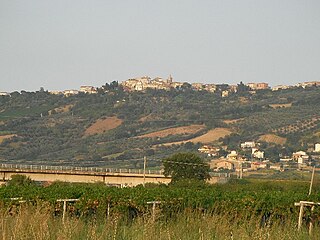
(109, 176)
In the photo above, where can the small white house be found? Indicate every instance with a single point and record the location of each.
(258, 154)
(248, 145)
(317, 147)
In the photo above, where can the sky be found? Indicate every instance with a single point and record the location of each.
(63, 44)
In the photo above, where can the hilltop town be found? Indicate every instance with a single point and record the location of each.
(158, 83)
(237, 128)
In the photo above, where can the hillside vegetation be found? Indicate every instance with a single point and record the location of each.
(118, 128)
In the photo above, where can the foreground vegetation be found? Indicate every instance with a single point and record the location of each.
(37, 223)
(240, 209)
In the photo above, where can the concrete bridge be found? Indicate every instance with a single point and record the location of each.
(109, 176)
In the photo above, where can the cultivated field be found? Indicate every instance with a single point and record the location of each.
(209, 137)
(103, 125)
(6, 137)
(185, 130)
(285, 105)
(231, 121)
(272, 138)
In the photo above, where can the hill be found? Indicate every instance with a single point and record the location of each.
(117, 128)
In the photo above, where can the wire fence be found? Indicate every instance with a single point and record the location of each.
(23, 167)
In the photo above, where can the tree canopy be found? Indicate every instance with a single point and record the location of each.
(186, 166)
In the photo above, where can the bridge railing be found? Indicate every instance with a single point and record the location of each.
(77, 169)
(91, 169)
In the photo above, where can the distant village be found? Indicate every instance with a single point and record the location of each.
(158, 83)
(236, 162)
(233, 161)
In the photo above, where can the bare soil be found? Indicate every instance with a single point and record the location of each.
(6, 137)
(285, 105)
(187, 130)
(103, 125)
(231, 121)
(209, 137)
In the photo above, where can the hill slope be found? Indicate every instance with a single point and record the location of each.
(121, 127)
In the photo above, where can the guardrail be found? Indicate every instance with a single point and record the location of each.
(77, 169)
(23, 167)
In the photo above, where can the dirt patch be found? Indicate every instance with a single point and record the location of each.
(6, 137)
(272, 138)
(150, 117)
(62, 109)
(103, 125)
(231, 121)
(185, 130)
(285, 105)
(209, 137)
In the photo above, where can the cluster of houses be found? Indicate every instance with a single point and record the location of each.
(234, 161)
(83, 89)
(145, 82)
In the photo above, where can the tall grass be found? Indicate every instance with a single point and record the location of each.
(38, 222)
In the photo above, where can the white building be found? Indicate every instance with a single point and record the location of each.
(317, 147)
(248, 145)
(256, 153)
(88, 89)
(301, 157)
(70, 92)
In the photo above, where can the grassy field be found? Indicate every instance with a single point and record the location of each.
(39, 223)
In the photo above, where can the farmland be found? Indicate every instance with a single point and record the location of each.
(118, 128)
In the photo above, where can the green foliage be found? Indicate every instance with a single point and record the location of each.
(20, 181)
(59, 138)
(186, 166)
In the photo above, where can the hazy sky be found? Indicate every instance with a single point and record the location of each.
(62, 44)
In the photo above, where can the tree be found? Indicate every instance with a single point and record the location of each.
(186, 166)
(20, 180)
(241, 88)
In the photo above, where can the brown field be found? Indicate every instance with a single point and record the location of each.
(6, 137)
(103, 125)
(285, 105)
(231, 121)
(186, 130)
(272, 138)
(149, 117)
(211, 136)
(62, 109)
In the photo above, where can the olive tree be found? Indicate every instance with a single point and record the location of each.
(186, 166)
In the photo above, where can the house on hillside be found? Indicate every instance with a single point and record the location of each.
(233, 155)
(317, 147)
(309, 84)
(210, 150)
(248, 145)
(301, 157)
(4, 94)
(70, 92)
(56, 92)
(88, 89)
(256, 153)
(258, 86)
(222, 163)
(280, 87)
